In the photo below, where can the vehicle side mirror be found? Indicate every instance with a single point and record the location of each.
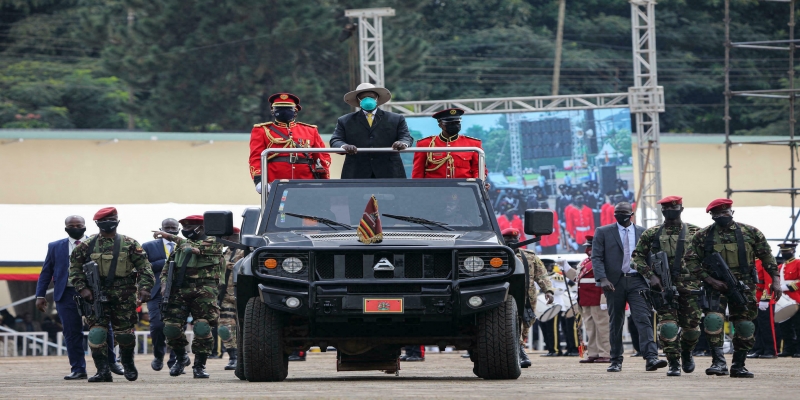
(250, 220)
(538, 222)
(218, 223)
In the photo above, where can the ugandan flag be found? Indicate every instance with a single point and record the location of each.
(20, 271)
(369, 229)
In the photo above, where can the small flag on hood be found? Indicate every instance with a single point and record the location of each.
(369, 229)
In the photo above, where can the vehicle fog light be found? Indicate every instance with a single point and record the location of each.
(496, 262)
(271, 263)
(292, 302)
(475, 301)
(292, 265)
(473, 264)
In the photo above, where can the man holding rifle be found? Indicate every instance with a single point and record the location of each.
(104, 271)
(190, 286)
(673, 290)
(723, 256)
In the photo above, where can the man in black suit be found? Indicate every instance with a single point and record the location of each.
(612, 248)
(157, 253)
(371, 127)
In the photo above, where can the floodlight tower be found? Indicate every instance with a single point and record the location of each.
(646, 100)
(370, 42)
(513, 120)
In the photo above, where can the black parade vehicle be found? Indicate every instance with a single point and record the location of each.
(437, 274)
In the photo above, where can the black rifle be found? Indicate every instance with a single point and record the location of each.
(720, 270)
(167, 290)
(95, 307)
(659, 262)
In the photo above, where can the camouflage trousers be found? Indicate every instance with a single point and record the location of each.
(524, 327)
(120, 312)
(685, 314)
(736, 314)
(199, 301)
(227, 318)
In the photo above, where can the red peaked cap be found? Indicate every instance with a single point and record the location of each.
(192, 218)
(589, 239)
(105, 212)
(510, 232)
(724, 203)
(285, 100)
(671, 200)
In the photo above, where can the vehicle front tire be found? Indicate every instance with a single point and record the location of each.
(497, 352)
(264, 357)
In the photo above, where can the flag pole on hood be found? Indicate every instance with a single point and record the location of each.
(369, 229)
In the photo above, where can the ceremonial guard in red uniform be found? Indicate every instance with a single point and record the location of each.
(285, 132)
(607, 211)
(580, 220)
(549, 242)
(765, 346)
(790, 284)
(446, 164)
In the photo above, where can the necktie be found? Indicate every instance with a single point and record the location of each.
(626, 248)
(77, 242)
(369, 119)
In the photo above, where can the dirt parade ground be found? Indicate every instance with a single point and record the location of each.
(440, 376)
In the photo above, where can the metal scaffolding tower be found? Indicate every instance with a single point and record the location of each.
(788, 94)
(513, 143)
(370, 42)
(646, 102)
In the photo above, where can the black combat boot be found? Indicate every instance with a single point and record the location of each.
(524, 361)
(126, 357)
(231, 361)
(101, 363)
(718, 366)
(181, 360)
(687, 361)
(199, 367)
(737, 365)
(674, 366)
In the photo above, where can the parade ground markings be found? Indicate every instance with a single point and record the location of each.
(440, 376)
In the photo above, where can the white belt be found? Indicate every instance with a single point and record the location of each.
(587, 280)
(582, 228)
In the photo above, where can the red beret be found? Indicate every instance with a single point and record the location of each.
(724, 203)
(510, 232)
(192, 218)
(236, 230)
(589, 239)
(105, 212)
(671, 200)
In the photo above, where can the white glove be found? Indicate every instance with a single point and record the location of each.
(563, 264)
(604, 307)
(785, 287)
(258, 188)
(763, 305)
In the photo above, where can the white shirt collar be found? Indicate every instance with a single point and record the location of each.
(370, 112)
(622, 228)
(72, 241)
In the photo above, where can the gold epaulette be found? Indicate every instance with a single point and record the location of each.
(262, 124)
(303, 123)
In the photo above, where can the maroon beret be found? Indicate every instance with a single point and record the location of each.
(723, 203)
(510, 232)
(671, 200)
(105, 212)
(192, 219)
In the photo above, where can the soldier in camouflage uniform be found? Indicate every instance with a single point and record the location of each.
(678, 322)
(195, 294)
(722, 239)
(227, 317)
(538, 276)
(121, 291)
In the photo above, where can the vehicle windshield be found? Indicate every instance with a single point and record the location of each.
(457, 205)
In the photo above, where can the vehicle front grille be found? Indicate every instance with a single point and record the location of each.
(383, 289)
(409, 265)
(278, 270)
(353, 266)
(488, 268)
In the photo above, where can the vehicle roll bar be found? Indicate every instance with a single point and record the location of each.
(267, 152)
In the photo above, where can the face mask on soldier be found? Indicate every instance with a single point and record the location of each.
(787, 255)
(284, 114)
(671, 214)
(190, 233)
(452, 129)
(107, 226)
(723, 220)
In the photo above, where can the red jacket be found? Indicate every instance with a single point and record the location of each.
(791, 277)
(764, 277)
(588, 292)
(302, 135)
(580, 223)
(444, 164)
(553, 238)
(515, 223)
(607, 214)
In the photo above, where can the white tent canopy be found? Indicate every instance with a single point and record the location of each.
(30, 227)
(607, 151)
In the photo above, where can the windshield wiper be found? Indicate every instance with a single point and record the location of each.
(421, 221)
(329, 222)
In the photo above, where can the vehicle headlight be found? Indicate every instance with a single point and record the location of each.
(292, 265)
(473, 264)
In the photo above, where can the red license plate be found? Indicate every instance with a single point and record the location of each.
(392, 306)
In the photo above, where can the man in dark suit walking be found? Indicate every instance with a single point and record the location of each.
(56, 269)
(371, 127)
(157, 253)
(612, 248)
